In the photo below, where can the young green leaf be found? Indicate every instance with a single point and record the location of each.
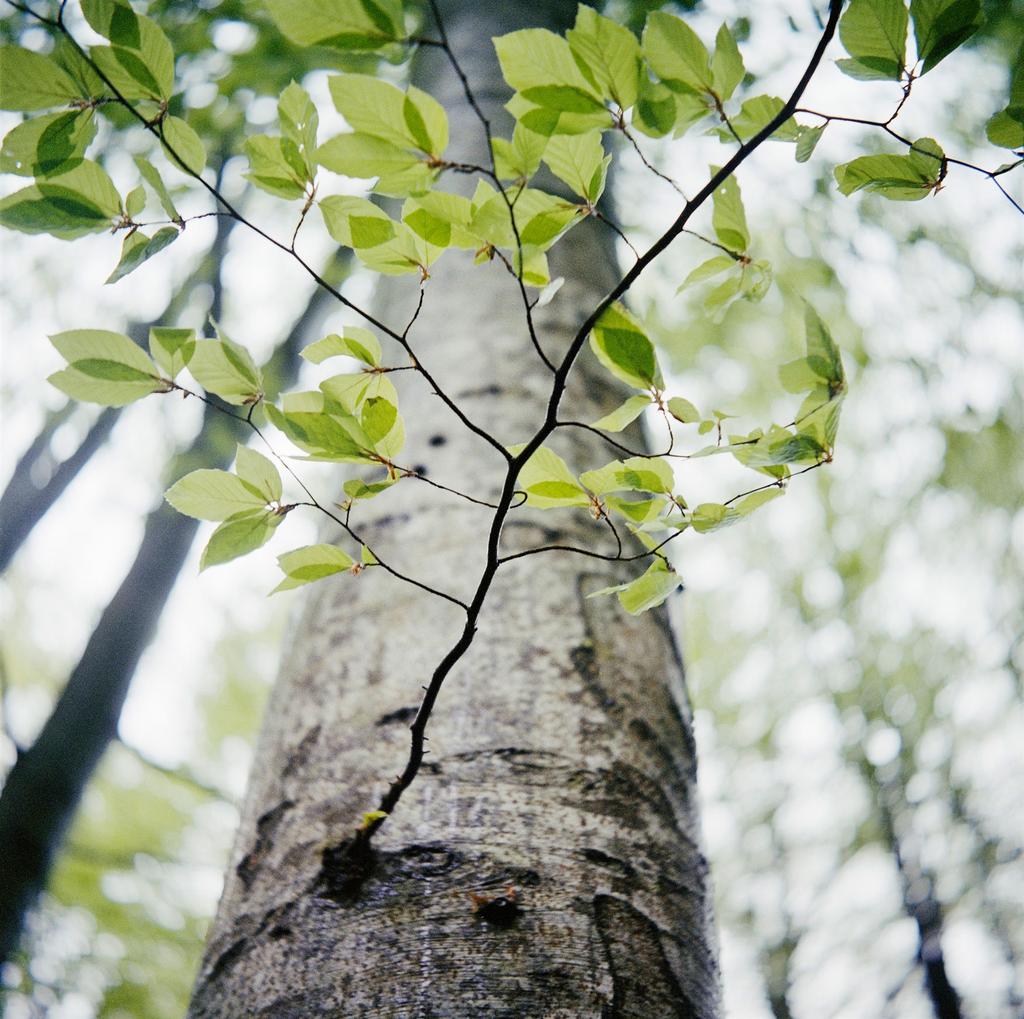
(906, 178)
(259, 473)
(807, 141)
(548, 482)
(755, 114)
(707, 270)
(656, 112)
(623, 348)
(519, 159)
(299, 121)
(238, 535)
(728, 217)
(356, 489)
(410, 120)
(276, 166)
(333, 436)
(140, 61)
(580, 162)
(624, 415)
(153, 179)
(31, 81)
(1006, 128)
(103, 367)
(610, 52)
(209, 494)
(172, 349)
(676, 54)
(355, 222)
(648, 591)
(874, 33)
(226, 369)
(541, 66)
(352, 341)
(712, 516)
(341, 24)
(48, 145)
(636, 474)
(188, 150)
(138, 248)
(81, 201)
(941, 26)
(726, 65)
(309, 563)
(683, 411)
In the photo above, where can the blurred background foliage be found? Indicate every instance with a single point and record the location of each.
(855, 653)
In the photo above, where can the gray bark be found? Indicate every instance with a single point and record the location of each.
(562, 768)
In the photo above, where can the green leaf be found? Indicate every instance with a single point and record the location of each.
(309, 563)
(541, 66)
(822, 353)
(637, 474)
(363, 156)
(728, 217)
(153, 179)
(31, 81)
(656, 111)
(340, 24)
(548, 482)
(874, 33)
(331, 437)
(135, 201)
(755, 114)
(188, 150)
(238, 535)
(649, 590)
(47, 145)
(683, 411)
(172, 349)
(103, 367)
(215, 495)
(756, 500)
(355, 222)
(610, 53)
(81, 201)
(676, 54)
(226, 369)
(623, 348)
(140, 61)
(941, 26)
(624, 415)
(707, 270)
(352, 341)
(712, 516)
(276, 166)
(258, 472)
(1006, 128)
(726, 65)
(519, 159)
(580, 162)
(807, 141)
(410, 120)
(299, 121)
(138, 248)
(900, 178)
(356, 489)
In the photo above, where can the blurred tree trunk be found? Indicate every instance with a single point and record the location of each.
(562, 770)
(42, 790)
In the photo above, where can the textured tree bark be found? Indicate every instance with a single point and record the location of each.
(562, 768)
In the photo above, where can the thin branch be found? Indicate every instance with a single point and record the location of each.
(650, 166)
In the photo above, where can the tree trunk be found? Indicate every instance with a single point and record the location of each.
(561, 780)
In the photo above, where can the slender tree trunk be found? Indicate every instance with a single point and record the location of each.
(562, 770)
(42, 790)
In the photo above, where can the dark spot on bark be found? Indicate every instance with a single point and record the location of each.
(343, 869)
(398, 715)
(280, 931)
(421, 470)
(266, 828)
(584, 661)
(499, 912)
(437, 440)
(491, 390)
(643, 983)
(612, 862)
(231, 954)
(300, 754)
(425, 861)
